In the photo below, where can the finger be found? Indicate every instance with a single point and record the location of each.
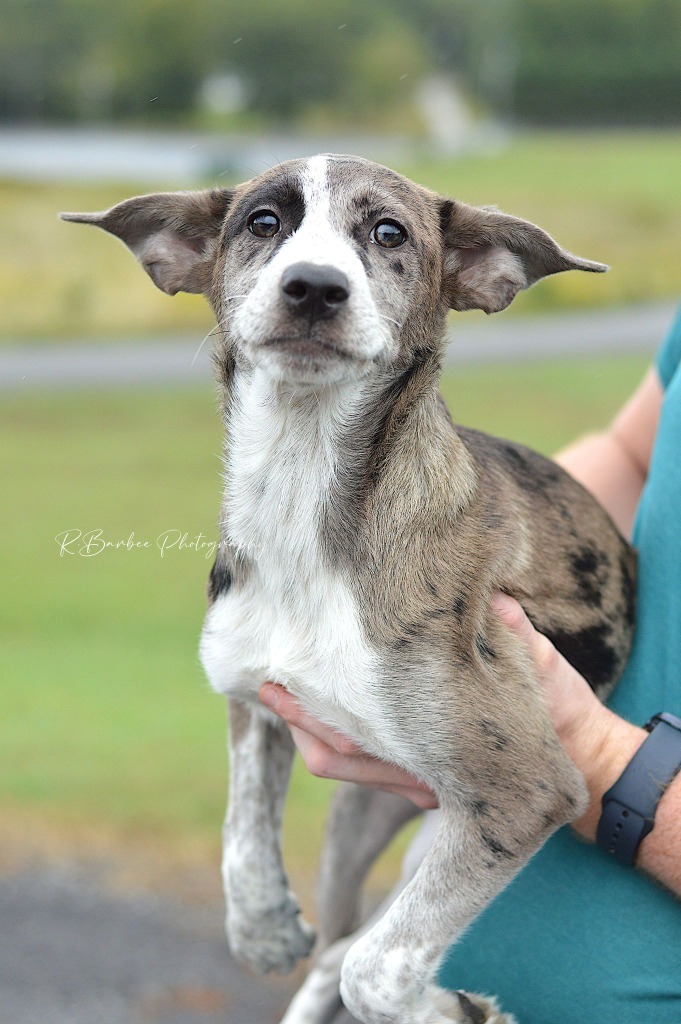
(424, 799)
(364, 770)
(330, 755)
(326, 752)
(285, 705)
(325, 762)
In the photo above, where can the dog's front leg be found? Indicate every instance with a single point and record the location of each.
(361, 824)
(388, 975)
(264, 926)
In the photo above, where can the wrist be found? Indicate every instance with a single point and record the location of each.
(602, 750)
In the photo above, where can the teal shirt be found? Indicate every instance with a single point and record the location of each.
(577, 938)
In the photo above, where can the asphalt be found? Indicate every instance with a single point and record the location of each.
(73, 952)
(473, 338)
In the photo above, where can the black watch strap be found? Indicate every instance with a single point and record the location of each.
(629, 806)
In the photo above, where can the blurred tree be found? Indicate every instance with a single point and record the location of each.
(289, 53)
(589, 61)
(599, 61)
(293, 55)
(37, 43)
(386, 65)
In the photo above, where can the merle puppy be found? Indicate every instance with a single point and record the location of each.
(362, 537)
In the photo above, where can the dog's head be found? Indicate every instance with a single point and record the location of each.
(320, 270)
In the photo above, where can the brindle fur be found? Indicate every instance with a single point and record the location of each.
(422, 522)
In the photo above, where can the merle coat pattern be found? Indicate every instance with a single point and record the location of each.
(362, 537)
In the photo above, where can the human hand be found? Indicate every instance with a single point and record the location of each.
(574, 709)
(331, 755)
(599, 743)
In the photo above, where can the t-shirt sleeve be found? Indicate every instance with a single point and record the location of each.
(669, 354)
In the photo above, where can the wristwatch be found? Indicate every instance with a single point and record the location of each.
(628, 813)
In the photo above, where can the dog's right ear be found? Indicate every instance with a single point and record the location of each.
(174, 235)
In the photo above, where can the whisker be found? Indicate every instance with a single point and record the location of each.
(196, 354)
(219, 325)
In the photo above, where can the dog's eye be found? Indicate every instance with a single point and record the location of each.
(389, 234)
(264, 224)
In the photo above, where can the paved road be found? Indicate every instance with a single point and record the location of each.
(72, 952)
(180, 159)
(474, 339)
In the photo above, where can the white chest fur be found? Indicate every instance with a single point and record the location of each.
(295, 621)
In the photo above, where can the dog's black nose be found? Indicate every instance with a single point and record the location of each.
(315, 291)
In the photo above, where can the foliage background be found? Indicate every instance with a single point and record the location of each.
(536, 61)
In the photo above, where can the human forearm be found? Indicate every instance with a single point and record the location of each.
(601, 744)
(602, 751)
(600, 464)
(614, 464)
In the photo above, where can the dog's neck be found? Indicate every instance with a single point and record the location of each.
(287, 448)
(301, 464)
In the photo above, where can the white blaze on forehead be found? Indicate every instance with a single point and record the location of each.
(320, 239)
(316, 190)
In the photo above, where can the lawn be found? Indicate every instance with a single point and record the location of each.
(108, 723)
(609, 196)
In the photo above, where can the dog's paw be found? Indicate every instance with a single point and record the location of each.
(433, 1005)
(271, 941)
(464, 1008)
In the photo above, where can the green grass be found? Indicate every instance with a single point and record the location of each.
(60, 280)
(543, 404)
(613, 197)
(107, 719)
(608, 196)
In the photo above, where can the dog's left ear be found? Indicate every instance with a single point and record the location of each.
(489, 257)
(174, 235)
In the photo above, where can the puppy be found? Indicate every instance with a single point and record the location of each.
(362, 537)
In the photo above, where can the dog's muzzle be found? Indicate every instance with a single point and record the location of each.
(313, 291)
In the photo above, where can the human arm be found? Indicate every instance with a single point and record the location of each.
(613, 464)
(601, 744)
